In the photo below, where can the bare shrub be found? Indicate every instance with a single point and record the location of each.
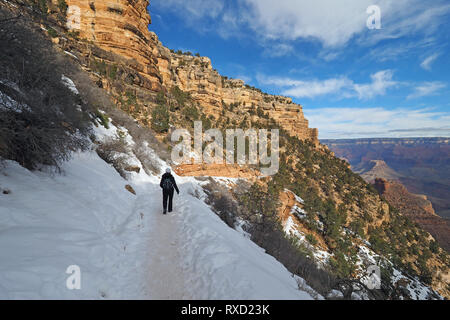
(148, 161)
(303, 286)
(222, 202)
(273, 239)
(114, 151)
(260, 208)
(41, 121)
(195, 193)
(37, 136)
(349, 287)
(30, 63)
(98, 98)
(142, 135)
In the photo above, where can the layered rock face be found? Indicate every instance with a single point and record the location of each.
(416, 207)
(121, 26)
(216, 170)
(211, 90)
(374, 169)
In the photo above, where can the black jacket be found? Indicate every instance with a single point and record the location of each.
(172, 179)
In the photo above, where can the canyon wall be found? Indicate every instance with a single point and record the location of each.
(416, 207)
(121, 27)
(420, 164)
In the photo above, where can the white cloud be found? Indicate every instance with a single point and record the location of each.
(342, 87)
(390, 52)
(332, 23)
(192, 9)
(408, 17)
(308, 89)
(312, 89)
(278, 50)
(329, 56)
(426, 64)
(381, 81)
(426, 89)
(334, 123)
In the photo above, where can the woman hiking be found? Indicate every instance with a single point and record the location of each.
(167, 185)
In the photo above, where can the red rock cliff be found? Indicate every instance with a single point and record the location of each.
(121, 26)
(416, 207)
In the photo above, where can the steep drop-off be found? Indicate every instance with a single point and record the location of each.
(421, 164)
(416, 207)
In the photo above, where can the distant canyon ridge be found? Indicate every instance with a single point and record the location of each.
(413, 174)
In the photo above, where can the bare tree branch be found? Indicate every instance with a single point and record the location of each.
(8, 20)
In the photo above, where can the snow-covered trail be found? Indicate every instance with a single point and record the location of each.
(125, 247)
(192, 254)
(166, 279)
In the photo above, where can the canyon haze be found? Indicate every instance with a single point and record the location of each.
(422, 165)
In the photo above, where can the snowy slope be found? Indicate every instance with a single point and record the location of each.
(238, 268)
(82, 218)
(366, 258)
(124, 246)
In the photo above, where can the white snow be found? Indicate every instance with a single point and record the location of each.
(367, 257)
(223, 264)
(289, 225)
(124, 246)
(10, 3)
(239, 227)
(297, 198)
(69, 84)
(299, 212)
(83, 218)
(305, 287)
(71, 54)
(321, 256)
(8, 102)
(335, 294)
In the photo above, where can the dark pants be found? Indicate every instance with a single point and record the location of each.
(167, 194)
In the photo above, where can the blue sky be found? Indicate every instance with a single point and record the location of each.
(351, 80)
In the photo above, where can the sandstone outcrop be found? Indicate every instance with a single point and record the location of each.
(374, 169)
(416, 207)
(286, 214)
(217, 170)
(121, 27)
